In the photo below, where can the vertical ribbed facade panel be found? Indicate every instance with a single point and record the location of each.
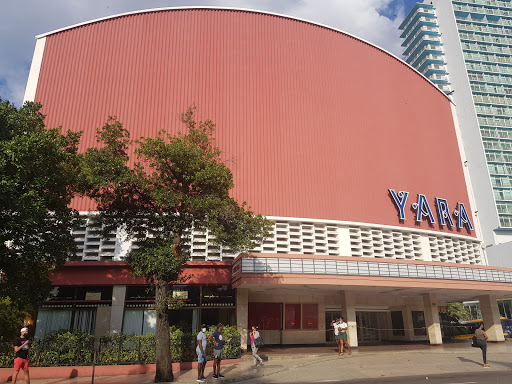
(313, 123)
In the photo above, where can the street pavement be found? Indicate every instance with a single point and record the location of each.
(456, 364)
(447, 378)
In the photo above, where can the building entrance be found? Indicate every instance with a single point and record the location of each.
(373, 327)
(367, 327)
(330, 316)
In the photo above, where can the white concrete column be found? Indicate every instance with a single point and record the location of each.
(321, 321)
(491, 318)
(102, 321)
(344, 246)
(348, 308)
(102, 324)
(35, 70)
(425, 248)
(116, 316)
(408, 324)
(432, 318)
(242, 315)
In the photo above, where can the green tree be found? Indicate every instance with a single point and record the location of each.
(11, 320)
(173, 184)
(458, 312)
(39, 171)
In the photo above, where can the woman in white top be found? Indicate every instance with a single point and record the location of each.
(255, 335)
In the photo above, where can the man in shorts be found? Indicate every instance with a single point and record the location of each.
(217, 339)
(201, 354)
(343, 337)
(336, 325)
(21, 345)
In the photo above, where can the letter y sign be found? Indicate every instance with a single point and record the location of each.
(400, 200)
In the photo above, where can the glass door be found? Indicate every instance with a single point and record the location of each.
(367, 327)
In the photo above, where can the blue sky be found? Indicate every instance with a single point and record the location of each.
(21, 20)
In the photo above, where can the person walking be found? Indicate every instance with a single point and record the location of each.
(201, 354)
(21, 346)
(481, 341)
(216, 337)
(254, 336)
(343, 337)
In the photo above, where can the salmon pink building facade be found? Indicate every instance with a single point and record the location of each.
(326, 135)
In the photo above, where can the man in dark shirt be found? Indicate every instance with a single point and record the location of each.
(21, 345)
(217, 339)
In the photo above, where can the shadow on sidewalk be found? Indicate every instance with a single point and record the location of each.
(464, 360)
(227, 369)
(492, 363)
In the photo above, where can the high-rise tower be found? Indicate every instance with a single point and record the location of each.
(465, 47)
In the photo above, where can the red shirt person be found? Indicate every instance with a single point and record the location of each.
(21, 345)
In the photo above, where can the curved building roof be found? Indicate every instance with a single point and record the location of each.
(124, 14)
(314, 123)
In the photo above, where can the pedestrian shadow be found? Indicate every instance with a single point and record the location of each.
(464, 360)
(228, 369)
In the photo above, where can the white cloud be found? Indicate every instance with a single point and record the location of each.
(20, 21)
(360, 18)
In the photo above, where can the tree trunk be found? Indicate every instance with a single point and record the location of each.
(163, 343)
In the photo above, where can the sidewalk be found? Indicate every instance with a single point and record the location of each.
(304, 364)
(307, 364)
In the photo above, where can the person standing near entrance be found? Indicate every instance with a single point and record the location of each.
(481, 340)
(21, 345)
(201, 354)
(336, 325)
(254, 336)
(343, 337)
(216, 337)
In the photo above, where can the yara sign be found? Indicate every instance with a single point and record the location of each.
(423, 210)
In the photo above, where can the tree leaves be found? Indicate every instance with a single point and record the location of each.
(11, 320)
(458, 312)
(153, 261)
(39, 170)
(177, 183)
